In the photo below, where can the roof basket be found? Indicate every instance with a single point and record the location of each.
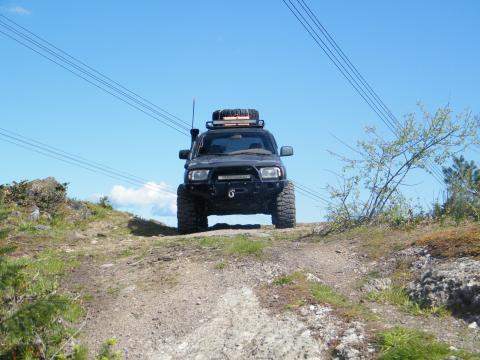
(235, 118)
(220, 124)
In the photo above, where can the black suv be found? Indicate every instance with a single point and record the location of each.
(234, 168)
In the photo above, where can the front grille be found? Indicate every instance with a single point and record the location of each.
(234, 177)
(244, 173)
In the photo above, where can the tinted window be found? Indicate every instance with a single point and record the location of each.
(232, 143)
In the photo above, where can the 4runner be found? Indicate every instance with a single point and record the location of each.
(234, 168)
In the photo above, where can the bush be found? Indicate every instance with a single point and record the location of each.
(32, 315)
(370, 184)
(409, 344)
(104, 202)
(463, 184)
(47, 194)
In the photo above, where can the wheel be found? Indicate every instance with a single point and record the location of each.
(191, 215)
(219, 114)
(284, 214)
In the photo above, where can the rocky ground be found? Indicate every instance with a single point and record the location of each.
(256, 292)
(171, 297)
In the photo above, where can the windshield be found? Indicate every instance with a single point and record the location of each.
(235, 143)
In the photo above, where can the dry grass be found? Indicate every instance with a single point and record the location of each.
(294, 290)
(376, 241)
(456, 242)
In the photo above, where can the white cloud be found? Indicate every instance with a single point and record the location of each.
(19, 10)
(156, 198)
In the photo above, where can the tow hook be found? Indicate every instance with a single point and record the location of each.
(231, 193)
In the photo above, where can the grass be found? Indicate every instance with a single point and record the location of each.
(398, 296)
(375, 241)
(290, 235)
(456, 242)
(237, 245)
(127, 252)
(401, 343)
(221, 265)
(296, 291)
(245, 246)
(34, 281)
(99, 211)
(349, 309)
(283, 280)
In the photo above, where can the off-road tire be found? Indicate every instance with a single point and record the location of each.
(284, 214)
(219, 114)
(191, 216)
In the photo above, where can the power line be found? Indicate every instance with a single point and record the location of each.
(77, 161)
(68, 155)
(92, 69)
(396, 123)
(338, 64)
(348, 70)
(87, 75)
(305, 194)
(312, 192)
(102, 82)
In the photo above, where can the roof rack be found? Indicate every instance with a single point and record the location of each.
(235, 122)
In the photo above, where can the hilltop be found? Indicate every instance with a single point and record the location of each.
(232, 293)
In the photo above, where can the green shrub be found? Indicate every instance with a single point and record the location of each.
(401, 343)
(398, 296)
(104, 202)
(107, 351)
(463, 184)
(33, 316)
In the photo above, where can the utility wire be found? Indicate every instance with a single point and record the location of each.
(305, 194)
(69, 155)
(92, 83)
(94, 77)
(98, 168)
(87, 75)
(320, 42)
(348, 70)
(92, 69)
(396, 123)
(75, 161)
(312, 192)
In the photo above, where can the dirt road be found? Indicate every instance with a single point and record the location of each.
(170, 297)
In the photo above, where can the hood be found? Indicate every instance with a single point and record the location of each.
(212, 161)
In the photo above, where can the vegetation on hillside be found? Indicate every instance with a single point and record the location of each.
(36, 316)
(370, 185)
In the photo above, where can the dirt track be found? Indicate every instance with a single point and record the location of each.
(164, 297)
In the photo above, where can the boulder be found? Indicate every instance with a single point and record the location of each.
(80, 209)
(47, 194)
(380, 284)
(34, 214)
(453, 284)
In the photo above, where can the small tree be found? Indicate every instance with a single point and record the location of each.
(463, 185)
(370, 185)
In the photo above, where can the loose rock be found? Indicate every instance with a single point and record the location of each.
(455, 285)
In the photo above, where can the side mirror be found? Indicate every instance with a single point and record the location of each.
(183, 154)
(286, 151)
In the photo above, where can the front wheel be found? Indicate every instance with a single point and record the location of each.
(191, 215)
(284, 213)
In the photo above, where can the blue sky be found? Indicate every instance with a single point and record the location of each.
(225, 54)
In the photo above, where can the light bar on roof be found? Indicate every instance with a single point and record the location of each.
(228, 118)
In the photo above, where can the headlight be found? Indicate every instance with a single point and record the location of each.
(270, 172)
(198, 175)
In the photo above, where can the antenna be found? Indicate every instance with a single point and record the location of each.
(193, 113)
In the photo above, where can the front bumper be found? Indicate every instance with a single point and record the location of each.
(237, 190)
